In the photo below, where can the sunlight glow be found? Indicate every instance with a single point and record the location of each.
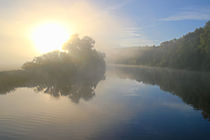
(49, 36)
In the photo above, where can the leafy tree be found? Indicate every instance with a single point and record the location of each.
(192, 51)
(79, 58)
(74, 72)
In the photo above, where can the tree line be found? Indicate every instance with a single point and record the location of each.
(191, 51)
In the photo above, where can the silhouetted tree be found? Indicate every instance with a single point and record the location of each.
(74, 72)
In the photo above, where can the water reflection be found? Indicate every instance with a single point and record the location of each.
(192, 87)
(124, 106)
(56, 84)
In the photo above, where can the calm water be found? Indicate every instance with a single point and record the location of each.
(130, 103)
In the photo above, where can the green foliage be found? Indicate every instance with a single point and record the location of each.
(192, 51)
(205, 39)
(73, 73)
(79, 58)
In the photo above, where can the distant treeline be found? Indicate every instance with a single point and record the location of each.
(192, 51)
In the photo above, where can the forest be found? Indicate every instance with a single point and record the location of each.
(191, 51)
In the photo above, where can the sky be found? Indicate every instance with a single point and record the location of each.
(158, 21)
(111, 23)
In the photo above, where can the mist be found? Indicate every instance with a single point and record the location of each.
(74, 73)
(104, 70)
(78, 17)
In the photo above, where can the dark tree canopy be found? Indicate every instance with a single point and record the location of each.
(79, 58)
(76, 43)
(74, 72)
(192, 51)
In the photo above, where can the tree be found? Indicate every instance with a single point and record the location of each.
(191, 51)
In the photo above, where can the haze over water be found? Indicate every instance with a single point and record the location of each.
(104, 70)
(130, 103)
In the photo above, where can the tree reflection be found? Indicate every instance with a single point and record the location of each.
(192, 87)
(74, 72)
(56, 85)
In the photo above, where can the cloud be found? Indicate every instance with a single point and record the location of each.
(133, 36)
(128, 34)
(119, 5)
(133, 31)
(138, 41)
(190, 14)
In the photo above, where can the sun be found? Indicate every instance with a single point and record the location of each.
(49, 36)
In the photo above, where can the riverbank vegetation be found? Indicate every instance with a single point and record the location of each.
(192, 51)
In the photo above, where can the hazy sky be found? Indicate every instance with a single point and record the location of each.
(160, 20)
(112, 23)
